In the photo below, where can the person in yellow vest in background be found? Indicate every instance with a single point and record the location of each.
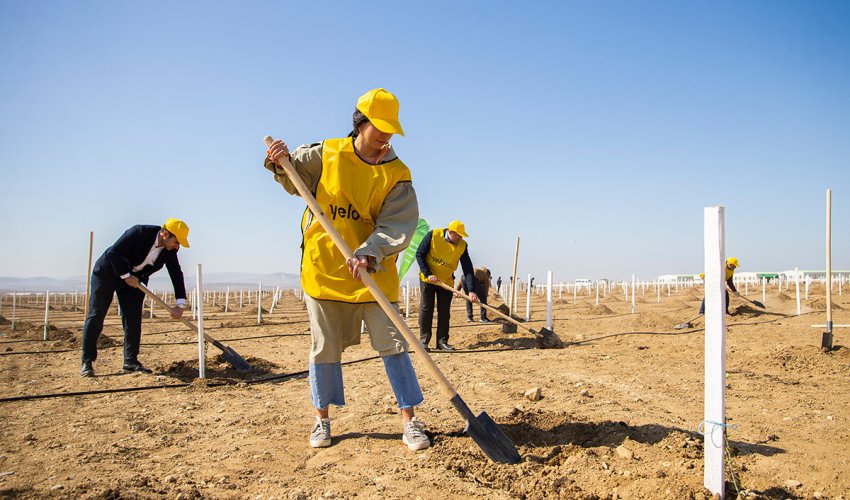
(438, 255)
(731, 265)
(367, 193)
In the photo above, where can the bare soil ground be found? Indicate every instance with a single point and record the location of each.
(619, 416)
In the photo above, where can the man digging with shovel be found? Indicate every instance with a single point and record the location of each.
(367, 194)
(141, 251)
(438, 255)
(731, 265)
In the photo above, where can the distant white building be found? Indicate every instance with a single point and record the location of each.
(677, 278)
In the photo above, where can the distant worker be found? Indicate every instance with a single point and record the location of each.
(731, 265)
(438, 255)
(482, 278)
(141, 251)
(499, 285)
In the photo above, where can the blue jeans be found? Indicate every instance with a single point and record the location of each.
(326, 386)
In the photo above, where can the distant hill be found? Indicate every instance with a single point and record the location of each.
(159, 281)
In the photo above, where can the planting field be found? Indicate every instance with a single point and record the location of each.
(621, 406)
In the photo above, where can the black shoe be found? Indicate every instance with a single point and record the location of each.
(86, 370)
(470, 320)
(135, 366)
(444, 346)
(483, 320)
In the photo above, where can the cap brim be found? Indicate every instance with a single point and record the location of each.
(387, 127)
(183, 243)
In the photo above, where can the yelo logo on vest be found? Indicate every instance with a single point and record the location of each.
(343, 213)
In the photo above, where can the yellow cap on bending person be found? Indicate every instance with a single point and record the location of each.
(381, 108)
(179, 229)
(733, 261)
(458, 227)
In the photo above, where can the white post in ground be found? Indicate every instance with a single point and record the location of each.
(746, 288)
(597, 293)
(633, 294)
(407, 300)
(46, 312)
(260, 303)
(240, 298)
(227, 300)
(764, 290)
(658, 289)
(14, 308)
(528, 300)
(714, 420)
(151, 308)
(202, 356)
(808, 280)
(840, 279)
(549, 300)
(797, 285)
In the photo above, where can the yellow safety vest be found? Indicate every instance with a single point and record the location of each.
(443, 257)
(351, 192)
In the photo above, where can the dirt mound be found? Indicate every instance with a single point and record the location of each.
(643, 320)
(784, 297)
(600, 310)
(745, 311)
(564, 458)
(819, 304)
(218, 369)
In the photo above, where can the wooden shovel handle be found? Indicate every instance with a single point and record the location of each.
(162, 303)
(485, 306)
(443, 383)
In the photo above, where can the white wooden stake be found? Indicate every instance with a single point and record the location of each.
(202, 356)
(808, 280)
(715, 351)
(14, 308)
(46, 312)
(549, 300)
(597, 293)
(227, 300)
(528, 300)
(407, 300)
(151, 308)
(797, 285)
(240, 298)
(658, 290)
(259, 303)
(764, 290)
(633, 294)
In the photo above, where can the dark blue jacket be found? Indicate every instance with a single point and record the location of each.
(130, 250)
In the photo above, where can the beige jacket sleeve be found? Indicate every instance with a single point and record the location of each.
(307, 161)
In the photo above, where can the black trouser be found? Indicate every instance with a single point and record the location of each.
(482, 296)
(131, 301)
(702, 304)
(428, 292)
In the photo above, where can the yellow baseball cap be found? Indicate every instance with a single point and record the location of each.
(733, 261)
(381, 108)
(458, 227)
(179, 229)
(702, 275)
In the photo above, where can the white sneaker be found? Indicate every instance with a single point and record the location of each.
(414, 436)
(320, 436)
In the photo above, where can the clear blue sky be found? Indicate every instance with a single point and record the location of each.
(595, 131)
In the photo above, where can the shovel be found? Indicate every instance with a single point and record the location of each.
(482, 429)
(546, 338)
(229, 355)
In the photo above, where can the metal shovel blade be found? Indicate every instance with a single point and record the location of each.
(235, 360)
(758, 304)
(487, 435)
(547, 339)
